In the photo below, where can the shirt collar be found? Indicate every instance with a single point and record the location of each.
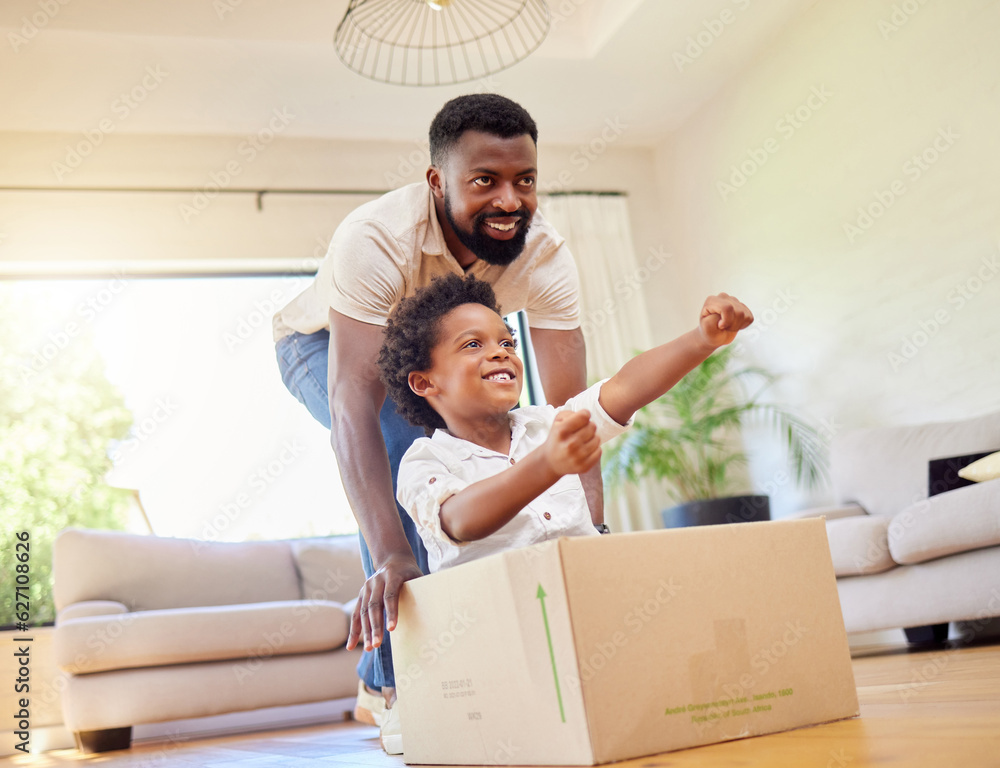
(464, 449)
(518, 428)
(433, 244)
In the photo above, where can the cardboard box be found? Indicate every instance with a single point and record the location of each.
(587, 650)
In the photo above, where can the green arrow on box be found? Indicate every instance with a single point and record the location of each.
(552, 654)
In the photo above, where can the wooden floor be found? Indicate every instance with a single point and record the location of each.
(931, 708)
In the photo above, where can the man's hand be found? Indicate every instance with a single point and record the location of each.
(722, 317)
(380, 594)
(572, 446)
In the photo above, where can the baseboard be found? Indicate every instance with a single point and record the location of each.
(272, 718)
(877, 637)
(958, 632)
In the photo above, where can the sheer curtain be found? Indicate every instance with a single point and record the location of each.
(614, 319)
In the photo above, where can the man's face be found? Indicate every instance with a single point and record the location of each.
(489, 194)
(475, 373)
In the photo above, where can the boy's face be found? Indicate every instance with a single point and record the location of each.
(475, 374)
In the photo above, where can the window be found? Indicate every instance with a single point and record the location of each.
(218, 449)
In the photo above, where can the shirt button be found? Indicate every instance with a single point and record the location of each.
(548, 515)
(432, 480)
(512, 461)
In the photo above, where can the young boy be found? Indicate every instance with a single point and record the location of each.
(491, 478)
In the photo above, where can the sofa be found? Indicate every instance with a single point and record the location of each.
(910, 550)
(153, 629)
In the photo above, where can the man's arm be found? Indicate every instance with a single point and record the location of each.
(562, 367)
(356, 397)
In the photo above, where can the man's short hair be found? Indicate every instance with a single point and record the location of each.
(412, 332)
(486, 112)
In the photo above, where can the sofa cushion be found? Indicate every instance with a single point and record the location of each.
(859, 545)
(885, 469)
(182, 636)
(154, 573)
(329, 567)
(963, 586)
(956, 521)
(129, 697)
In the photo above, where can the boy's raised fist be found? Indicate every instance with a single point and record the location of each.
(722, 317)
(573, 446)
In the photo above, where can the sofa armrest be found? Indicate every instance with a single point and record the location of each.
(859, 545)
(245, 631)
(89, 608)
(830, 513)
(951, 522)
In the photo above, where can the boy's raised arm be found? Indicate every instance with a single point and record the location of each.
(573, 446)
(649, 375)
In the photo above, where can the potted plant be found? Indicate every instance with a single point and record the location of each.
(689, 438)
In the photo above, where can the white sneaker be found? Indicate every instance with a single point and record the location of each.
(391, 732)
(369, 706)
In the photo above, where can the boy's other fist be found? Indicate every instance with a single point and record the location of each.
(572, 446)
(722, 317)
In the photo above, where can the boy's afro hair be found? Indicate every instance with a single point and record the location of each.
(411, 333)
(486, 112)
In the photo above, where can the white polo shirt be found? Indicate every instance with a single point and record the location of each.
(389, 248)
(437, 467)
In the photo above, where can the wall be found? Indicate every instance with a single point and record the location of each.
(845, 187)
(196, 230)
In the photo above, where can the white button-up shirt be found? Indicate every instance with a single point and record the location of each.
(437, 467)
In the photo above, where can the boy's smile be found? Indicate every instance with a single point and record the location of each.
(475, 374)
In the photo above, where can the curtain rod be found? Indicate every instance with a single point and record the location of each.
(221, 191)
(596, 193)
(261, 192)
(194, 190)
(150, 275)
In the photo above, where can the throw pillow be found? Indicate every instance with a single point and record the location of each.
(946, 474)
(329, 567)
(986, 468)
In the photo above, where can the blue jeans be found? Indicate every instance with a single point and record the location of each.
(303, 361)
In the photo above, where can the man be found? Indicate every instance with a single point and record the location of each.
(476, 215)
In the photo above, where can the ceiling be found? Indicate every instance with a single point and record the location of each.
(225, 66)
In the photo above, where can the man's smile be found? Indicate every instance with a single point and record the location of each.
(501, 227)
(504, 227)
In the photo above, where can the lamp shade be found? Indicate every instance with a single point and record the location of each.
(438, 42)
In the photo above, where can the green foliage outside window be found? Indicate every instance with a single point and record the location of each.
(58, 414)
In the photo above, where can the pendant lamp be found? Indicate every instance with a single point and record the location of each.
(438, 42)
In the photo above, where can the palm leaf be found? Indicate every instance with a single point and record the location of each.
(686, 437)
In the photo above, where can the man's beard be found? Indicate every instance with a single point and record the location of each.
(497, 252)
